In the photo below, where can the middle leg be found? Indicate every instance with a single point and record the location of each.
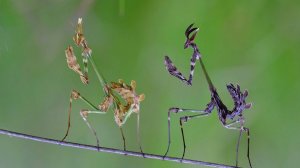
(176, 110)
(123, 137)
(138, 133)
(240, 128)
(183, 120)
(83, 113)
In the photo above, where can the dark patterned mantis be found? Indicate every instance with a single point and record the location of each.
(112, 91)
(239, 98)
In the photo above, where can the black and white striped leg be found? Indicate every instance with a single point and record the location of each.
(241, 129)
(175, 72)
(179, 110)
(183, 120)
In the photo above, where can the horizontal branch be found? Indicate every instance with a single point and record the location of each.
(110, 150)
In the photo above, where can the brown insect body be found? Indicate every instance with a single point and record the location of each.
(113, 91)
(127, 93)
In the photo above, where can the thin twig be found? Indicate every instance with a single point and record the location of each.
(110, 150)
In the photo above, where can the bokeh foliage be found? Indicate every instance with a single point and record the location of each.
(253, 43)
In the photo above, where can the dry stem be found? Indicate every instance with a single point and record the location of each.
(110, 150)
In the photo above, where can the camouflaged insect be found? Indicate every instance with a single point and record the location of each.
(131, 98)
(230, 119)
(128, 94)
(114, 91)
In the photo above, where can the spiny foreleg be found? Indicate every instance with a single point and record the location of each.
(175, 72)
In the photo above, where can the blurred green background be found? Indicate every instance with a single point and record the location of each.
(253, 43)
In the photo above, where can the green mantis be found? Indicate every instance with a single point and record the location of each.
(113, 91)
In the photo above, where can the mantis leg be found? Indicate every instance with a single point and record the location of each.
(175, 72)
(83, 113)
(183, 120)
(138, 133)
(240, 128)
(208, 110)
(138, 129)
(123, 137)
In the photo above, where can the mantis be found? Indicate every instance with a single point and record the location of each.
(235, 115)
(113, 91)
